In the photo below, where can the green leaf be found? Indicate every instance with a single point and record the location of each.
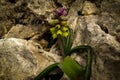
(67, 42)
(89, 51)
(46, 71)
(73, 70)
(89, 64)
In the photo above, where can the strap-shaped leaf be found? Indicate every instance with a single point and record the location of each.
(46, 71)
(67, 42)
(73, 70)
(89, 51)
(89, 64)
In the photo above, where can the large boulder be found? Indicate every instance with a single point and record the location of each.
(22, 60)
(101, 31)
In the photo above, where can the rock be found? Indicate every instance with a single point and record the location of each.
(95, 23)
(42, 7)
(111, 7)
(43, 42)
(22, 60)
(17, 12)
(5, 21)
(89, 8)
(65, 3)
(26, 32)
(102, 33)
(88, 30)
(76, 8)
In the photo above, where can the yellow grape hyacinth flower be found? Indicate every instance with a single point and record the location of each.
(59, 30)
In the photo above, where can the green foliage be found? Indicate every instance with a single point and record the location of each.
(67, 42)
(61, 31)
(73, 70)
(68, 65)
(46, 71)
(89, 51)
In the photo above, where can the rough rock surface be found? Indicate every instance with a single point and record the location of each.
(26, 32)
(21, 59)
(94, 22)
(101, 32)
(15, 13)
(89, 8)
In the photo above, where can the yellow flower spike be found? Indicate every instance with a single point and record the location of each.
(65, 34)
(53, 23)
(64, 29)
(64, 23)
(54, 35)
(58, 26)
(62, 18)
(52, 30)
(59, 32)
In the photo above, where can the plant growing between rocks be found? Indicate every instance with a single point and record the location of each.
(61, 31)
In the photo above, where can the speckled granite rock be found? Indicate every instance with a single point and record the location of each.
(22, 60)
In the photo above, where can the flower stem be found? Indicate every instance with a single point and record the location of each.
(60, 44)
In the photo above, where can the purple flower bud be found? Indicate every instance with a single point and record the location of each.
(62, 11)
(59, 12)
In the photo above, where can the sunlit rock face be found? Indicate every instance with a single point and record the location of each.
(101, 31)
(21, 59)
